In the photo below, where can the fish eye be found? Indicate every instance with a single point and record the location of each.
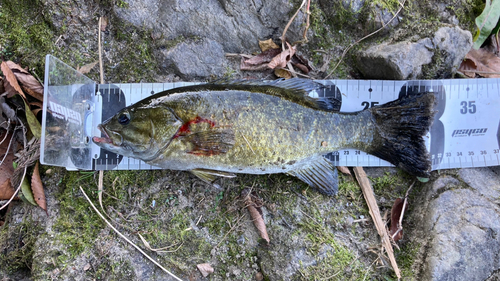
(124, 118)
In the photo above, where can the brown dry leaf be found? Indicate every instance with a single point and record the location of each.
(86, 68)
(26, 80)
(6, 190)
(260, 61)
(2, 89)
(282, 73)
(36, 103)
(37, 188)
(481, 62)
(6, 169)
(16, 67)
(468, 67)
(205, 269)
(267, 44)
(301, 63)
(11, 81)
(31, 92)
(283, 58)
(253, 204)
(396, 210)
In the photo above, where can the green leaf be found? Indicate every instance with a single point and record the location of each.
(422, 179)
(496, 29)
(33, 123)
(27, 193)
(486, 22)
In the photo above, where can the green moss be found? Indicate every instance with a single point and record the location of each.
(108, 270)
(77, 225)
(25, 35)
(17, 245)
(338, 264)
(406, 257)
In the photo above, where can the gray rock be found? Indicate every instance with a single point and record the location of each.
(395, 61)
(453, 44)
(462, 227)
(442, 55)
(202, 58)
(237, 25)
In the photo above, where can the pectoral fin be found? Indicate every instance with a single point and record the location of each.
(209, 176)
(210, 142)
(320, 174)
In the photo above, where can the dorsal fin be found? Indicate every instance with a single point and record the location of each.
(298, 90)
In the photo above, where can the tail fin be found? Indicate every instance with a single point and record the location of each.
(401, 125)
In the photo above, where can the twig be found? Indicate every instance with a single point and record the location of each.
(197, 222)
(480, 72)
(375, 214)
(308, 12)
(8, 147)
(355, 43)
(6, 134)
(126, 239)
(100, 186)
(400, 225)
(231, 229)
(288, 25)
(101, 71)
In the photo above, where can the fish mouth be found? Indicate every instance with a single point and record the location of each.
(102, 140)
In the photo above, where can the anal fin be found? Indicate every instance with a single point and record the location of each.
(320, 174)
(209, 176)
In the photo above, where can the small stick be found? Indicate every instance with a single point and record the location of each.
(400, 226)
(101, 71)
(480, 72)
(100, 186)
(288, 25)
(375, 214)
(8, 147)
(125, 238)
(308, 12)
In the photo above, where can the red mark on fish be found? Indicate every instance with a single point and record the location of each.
(185, 128)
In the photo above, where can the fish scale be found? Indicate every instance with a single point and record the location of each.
(466, 132)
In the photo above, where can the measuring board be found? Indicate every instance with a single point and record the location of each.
(465, 133)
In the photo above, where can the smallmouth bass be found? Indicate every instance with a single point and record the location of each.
(258, 127)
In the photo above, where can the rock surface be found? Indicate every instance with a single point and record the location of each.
(405, 60)
(197, 59)
(460, 235)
